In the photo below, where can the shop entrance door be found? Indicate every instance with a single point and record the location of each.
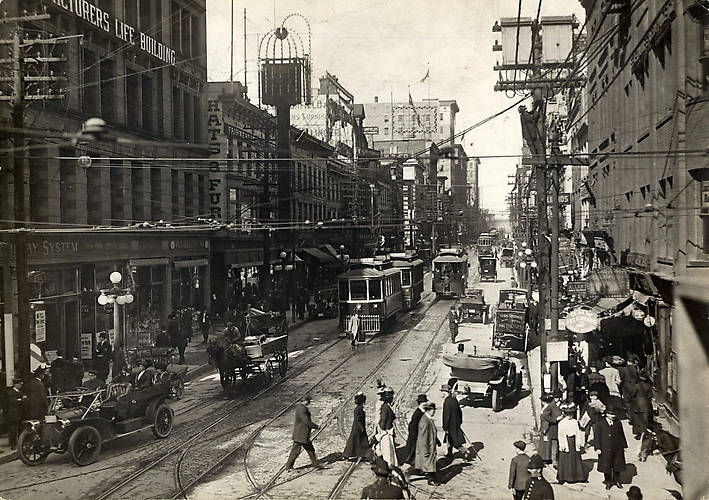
(71, 329)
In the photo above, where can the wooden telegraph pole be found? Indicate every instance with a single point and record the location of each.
(16, 283)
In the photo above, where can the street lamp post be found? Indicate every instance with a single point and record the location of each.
(118, 297)
(342, 257)
(282, 267)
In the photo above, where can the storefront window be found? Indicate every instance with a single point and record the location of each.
(358, 290)
(144, 315)
(51, 283)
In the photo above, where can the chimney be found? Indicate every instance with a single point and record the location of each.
(376, 99)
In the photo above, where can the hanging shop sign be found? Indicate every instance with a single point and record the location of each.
(576, 287)
(581, 320)
(102, 20)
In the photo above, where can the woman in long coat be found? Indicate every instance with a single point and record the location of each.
(426, 443)
(571, 441)
(641, 405)
(358, 443)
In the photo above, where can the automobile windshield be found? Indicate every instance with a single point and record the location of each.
(358, 290)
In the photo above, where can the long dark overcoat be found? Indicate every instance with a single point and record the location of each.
(358, 442)
(452, 422)
(37, 403)
(410, 448)
(612, 444)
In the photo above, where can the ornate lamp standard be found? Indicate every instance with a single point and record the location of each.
(284, 266)
(118, 297)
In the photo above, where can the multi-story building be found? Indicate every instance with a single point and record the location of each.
(405, 128)
(453, 192)
(141, 67)
(647, 106)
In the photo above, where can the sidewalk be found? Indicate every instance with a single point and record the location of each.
(196, 361)
(649, 476)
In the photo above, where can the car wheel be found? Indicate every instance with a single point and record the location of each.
(85, 445)
(162, 421)
(30, 449)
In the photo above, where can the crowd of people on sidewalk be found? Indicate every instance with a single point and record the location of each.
(588, 413)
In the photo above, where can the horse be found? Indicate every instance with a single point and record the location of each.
(228, 359)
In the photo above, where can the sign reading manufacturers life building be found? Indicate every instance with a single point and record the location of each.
(121, 30)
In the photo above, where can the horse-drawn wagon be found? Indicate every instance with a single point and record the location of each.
(259, 323)
(79, 422)
(256, 356)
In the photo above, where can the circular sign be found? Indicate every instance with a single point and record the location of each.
(84, 161)
(649, 321)
(581, 321)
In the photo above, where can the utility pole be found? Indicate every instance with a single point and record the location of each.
(554, 288)
(16, 285)
(534, 132)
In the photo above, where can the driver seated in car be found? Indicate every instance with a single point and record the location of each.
(93, 381)
(145, 376)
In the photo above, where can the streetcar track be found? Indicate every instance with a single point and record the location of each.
(408, 325)
(228, 410)
(339, 486)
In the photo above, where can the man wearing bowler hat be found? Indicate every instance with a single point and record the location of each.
(410, 448)
(537, 487)
(302, 427)
(453, 421)
(612, 444)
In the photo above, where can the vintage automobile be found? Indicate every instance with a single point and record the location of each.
(507, 257)
(323, 306)
(474, 307)
(488, 268)
(493, 377)
(79, 422)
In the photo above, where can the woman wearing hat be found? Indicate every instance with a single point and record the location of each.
(385, 446)
(571, 442)
(382, 487)
(641, 405)
(410, 448)
(426, 444)
(358, 444)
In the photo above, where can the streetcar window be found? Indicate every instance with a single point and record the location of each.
(406, 278)
(358, 290)
(344, 291)
(375, 289)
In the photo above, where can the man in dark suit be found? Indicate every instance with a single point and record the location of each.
(37, 402)
(454, 318)
(57, 371)
(612, 444)
(144, 378)
(410, 448)
(205, 323)
(302, 427)
(102, 358)
(537, 487)
(519, 472)
(453, 422)
(15, 402)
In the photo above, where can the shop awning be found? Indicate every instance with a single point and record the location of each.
(191, 263)
(322, 257)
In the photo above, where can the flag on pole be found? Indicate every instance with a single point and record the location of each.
(416, 114)
(425, 77)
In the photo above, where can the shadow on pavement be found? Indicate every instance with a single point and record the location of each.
(626, 477)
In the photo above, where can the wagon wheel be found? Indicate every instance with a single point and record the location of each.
(177, 389)
(85, 445)
(30, 449)
(283, 363)
(162, 421)
(268, 371)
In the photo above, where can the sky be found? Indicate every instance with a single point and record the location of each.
(378, 47)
